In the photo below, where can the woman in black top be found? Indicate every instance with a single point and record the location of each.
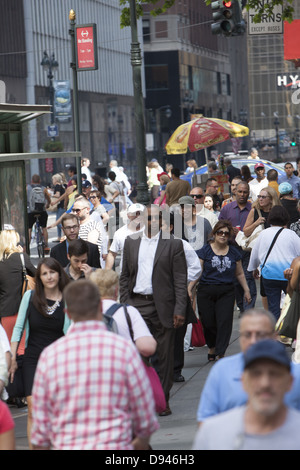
(42, 313)
(11, 279)
(221, 265)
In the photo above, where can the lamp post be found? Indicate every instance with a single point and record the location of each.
(136, 62)
(50, 65)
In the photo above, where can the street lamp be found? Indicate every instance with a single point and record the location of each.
(50, 65)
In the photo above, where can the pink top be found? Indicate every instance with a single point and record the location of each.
(91, 392)
(6, 420)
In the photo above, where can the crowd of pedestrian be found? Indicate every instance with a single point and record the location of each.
(84, 339)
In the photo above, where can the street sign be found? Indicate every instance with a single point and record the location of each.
(53, 131)
(86, 47)
(269, 24)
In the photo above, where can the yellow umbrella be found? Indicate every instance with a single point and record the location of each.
(202, 132)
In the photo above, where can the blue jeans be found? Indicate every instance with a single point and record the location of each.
(273, 290)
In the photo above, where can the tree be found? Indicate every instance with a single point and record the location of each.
(125, 15)
(262, 7)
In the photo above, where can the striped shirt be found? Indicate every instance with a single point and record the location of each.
(91, 392)
(86, 229)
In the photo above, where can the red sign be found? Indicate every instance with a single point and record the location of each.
(86, 47)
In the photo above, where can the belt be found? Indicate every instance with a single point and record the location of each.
(144, 297)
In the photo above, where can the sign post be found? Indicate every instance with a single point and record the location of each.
(84, 57)
(269, 24)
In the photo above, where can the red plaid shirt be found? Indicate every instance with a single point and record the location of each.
(91, 392)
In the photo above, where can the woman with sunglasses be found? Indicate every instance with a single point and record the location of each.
(221, 265)
(258, 215)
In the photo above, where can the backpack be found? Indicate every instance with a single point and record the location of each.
(37, 201)
(110, 323)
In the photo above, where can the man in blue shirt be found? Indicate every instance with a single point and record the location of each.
(237, 212)
(291, 178)
(223, 388)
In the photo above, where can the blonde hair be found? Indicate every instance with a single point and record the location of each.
(106, 280)
(9, 240)
(58, 178)
(273, 195)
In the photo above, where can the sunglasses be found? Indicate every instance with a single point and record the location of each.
(76, 210)
(262, 197)
(221, 233)
(197, 196)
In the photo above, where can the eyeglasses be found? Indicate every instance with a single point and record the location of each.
(197, 196)
(76, 210)
(258, 334)
(221, 233)
(93, 197)
(73, 227)
(262, 197)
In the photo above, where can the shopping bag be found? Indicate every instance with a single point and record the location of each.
(198, 338)
(289, 323)
(157, 390)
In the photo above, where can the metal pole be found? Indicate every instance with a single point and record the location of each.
(136, 62)
(72, 18)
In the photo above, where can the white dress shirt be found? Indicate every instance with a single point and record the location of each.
(147, 252)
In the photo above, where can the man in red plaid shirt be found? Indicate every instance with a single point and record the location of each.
(90, 390)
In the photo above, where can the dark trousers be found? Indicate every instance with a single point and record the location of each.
(179, 349)
(165, 341)
(239, 291)
(273, 290)
(215, 306)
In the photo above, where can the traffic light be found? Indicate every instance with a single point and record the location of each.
(293, 143)
(227, 15)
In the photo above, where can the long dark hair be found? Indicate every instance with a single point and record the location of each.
(39, 299)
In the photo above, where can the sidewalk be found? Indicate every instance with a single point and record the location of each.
(177, 431)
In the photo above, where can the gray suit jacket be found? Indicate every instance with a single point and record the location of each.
(169, 277)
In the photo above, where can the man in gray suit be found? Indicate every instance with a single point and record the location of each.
(154, 280)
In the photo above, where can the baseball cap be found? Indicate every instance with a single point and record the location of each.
(259, 165)
(267, 349)
(86, 184)
(160, 174)
(186, 200)
(285, 188)
(135, 208)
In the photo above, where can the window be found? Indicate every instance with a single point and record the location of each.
(146, 31)
(157, 77)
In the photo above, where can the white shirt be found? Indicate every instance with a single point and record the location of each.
(119, 238)
(139, 326)
(147, 252)
(256, 187)
(192, 261)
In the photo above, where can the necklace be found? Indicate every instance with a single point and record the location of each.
(51, 309)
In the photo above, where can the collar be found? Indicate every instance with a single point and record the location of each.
(156, 237)
(88, 325)
(235, 206)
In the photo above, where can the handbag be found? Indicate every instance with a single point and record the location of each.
(28, 282)
(157, 390)
(197, 339)
(289, 323)
(247, 243)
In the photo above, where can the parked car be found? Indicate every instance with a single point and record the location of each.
(239, 163)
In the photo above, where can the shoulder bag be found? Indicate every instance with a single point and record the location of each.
(289, 324)
(247, 243)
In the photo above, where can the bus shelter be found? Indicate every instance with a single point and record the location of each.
(13, 194)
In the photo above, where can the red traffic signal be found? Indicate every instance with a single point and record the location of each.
(227, 4)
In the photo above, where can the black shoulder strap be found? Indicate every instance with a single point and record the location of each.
(112, 310)
(271, 246)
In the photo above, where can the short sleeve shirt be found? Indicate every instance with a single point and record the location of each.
(218, 269)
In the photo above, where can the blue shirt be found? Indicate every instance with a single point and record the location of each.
(223, 388)
(294, 182)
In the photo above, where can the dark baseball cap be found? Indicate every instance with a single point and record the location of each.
(267, 349)
(86, 184)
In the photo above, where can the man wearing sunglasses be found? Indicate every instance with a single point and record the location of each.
(154, 280)
(197, 194)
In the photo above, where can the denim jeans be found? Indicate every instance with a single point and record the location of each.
(59, 213)
(273, 290)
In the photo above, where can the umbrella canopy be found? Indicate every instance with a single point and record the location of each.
(201, 133)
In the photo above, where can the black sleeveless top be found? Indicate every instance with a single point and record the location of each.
(263, 214)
